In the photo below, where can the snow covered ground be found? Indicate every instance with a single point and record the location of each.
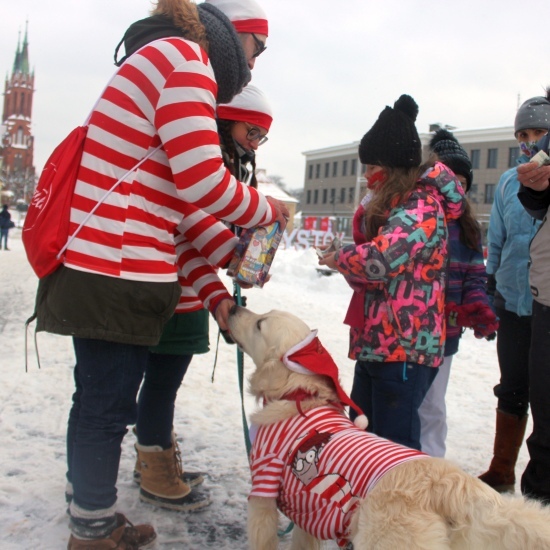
(34, 406)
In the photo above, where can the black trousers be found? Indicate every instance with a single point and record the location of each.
(513, 345)
(535, 481)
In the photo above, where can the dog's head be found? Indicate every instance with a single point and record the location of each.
(268, 335)
(266, 338)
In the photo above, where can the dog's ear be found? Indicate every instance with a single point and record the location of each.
(269, 376)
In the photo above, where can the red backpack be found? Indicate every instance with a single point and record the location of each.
(46, 228)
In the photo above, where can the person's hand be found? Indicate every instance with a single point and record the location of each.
(222, 312)
(281, 211)
(329, 260)
(477, 315)
(534, 176)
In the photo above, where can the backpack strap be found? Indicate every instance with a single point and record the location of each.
(104, 198)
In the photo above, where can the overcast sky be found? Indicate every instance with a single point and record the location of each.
(330, 68)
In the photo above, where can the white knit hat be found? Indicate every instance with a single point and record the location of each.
(246, 15)
(250, 106)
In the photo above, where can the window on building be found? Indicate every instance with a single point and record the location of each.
(315, 196)
(342, 195)
(317, 171)
(363, 168)
(20, 136)
(333, 196)
(492, 158)
(325, 196)
(474, 157)
(22, 105)
(310, 172)
(472, 195)
(353, 170)
(334, 168)
(327, 169)
(308, 199)
(513, 154)
(351, 194)
(344, 168)
(489, 193)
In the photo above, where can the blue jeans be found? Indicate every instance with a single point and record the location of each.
(107, 377)
(4, 238)
(390, 395)
(157, 398)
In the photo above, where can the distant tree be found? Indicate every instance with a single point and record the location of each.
(278, 180)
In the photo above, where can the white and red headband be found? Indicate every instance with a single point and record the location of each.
(246, 15)
(250, 106)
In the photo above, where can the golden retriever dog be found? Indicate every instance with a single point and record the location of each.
(336, 481)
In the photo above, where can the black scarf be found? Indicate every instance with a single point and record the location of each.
(225, 50)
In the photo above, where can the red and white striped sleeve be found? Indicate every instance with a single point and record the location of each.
(185, 121)
(199, 280)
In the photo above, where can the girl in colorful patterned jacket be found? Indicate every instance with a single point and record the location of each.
(119, 283)
(397, 271)
(243, 125)
(466, 298)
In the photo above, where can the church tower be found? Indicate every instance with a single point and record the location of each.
(17, 173)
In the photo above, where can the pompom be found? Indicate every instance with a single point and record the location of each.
(407, 105)
(361, 422)
(442, 135)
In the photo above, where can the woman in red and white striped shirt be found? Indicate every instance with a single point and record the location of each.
(202, 242)
(118, 285)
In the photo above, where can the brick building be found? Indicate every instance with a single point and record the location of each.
(17, 172)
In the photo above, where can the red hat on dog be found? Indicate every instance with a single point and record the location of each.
(310, 357)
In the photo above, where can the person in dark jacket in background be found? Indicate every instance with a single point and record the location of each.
(5, 225)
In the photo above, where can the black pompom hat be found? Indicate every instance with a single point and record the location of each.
(445, 145)
(393, 140)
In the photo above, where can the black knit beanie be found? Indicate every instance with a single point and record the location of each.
(225, 50)
(393, 140)
(445, 145)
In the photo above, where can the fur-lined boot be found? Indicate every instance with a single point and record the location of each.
(189, 477)
(161, 482)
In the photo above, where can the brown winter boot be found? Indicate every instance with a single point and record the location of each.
(125, 537)
(510, 430)
(161, 482)
(191, 478)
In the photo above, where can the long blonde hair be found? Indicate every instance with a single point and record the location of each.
(392, 192)
(185, 16)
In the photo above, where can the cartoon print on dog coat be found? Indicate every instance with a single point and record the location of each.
(331, 486)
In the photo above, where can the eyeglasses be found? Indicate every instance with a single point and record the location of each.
(261, 47)
(254, 134)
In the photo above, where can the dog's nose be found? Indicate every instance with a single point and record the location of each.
(233, 309)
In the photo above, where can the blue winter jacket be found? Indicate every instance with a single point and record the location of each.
(510, 232)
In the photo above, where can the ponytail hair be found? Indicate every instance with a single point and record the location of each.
(185, 16)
